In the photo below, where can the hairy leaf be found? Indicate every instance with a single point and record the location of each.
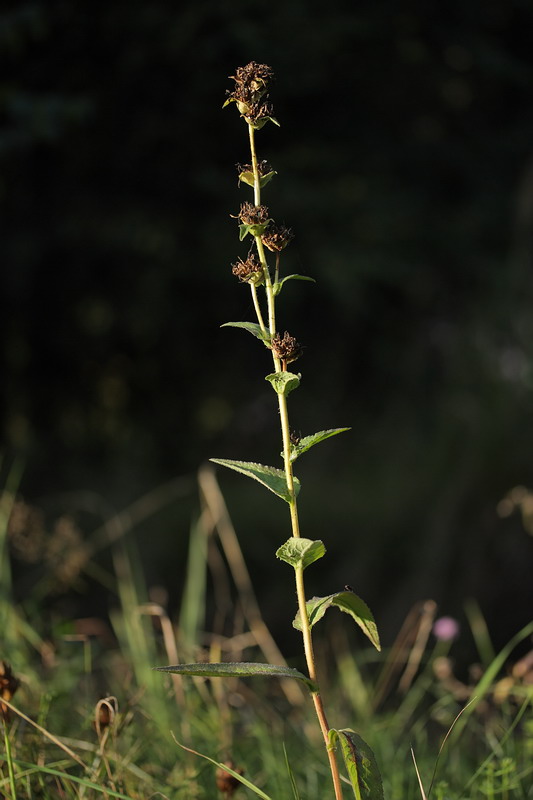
(274, 479)
(300, 552)
(348, 602)
(360, 763)
(283, 382)
(240, 669)
(279, 285)
(309, 441)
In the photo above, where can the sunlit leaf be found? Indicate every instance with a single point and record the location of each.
(309, 441)
(283, 382)
(274, 479)
(300, 552)
(251, 327)
(253, 230)
(247, 176)
(348, 602)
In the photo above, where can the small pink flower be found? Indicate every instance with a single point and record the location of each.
(445, 629)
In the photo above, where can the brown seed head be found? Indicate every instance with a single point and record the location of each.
(286, 348)
(8, 686)
(251, 83)
(249, 271)
(277, 237)
(253, 215)
(263, 168)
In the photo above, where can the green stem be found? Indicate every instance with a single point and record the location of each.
(285, 432)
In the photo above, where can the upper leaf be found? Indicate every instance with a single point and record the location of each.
(248, 177)
(360, 763)
(241, 669)
(255, 229)
(274, 479)
(299, 552)
(348, 602)
(309, 441)
(278, 286)
(251, 327)
(283, 382)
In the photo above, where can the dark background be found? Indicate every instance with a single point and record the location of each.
(405, 168)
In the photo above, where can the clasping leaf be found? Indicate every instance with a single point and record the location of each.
(283, 382)
(309, 441)
(274, 479)
(300, 552)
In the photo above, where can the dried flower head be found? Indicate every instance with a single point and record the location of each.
(263, 168)
(253, 215)
(227, 783)
(277, 237)
(249, 271)
(286, 348)
(8, 686)
(251, 83)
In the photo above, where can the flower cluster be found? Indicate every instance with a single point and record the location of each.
(250, 93)
(277, 237)
(249, 271)
(253, 215)
(286, 348)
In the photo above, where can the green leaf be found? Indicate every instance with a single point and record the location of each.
(251, 327)
(274, 479)
(299, 552)
(248, 177)
(254, 230)
(283, 382)
(348, 602)
(278, 286)
(309, 441)
(240, 669)
(360, 763)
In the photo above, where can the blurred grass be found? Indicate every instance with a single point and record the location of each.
(92, 719)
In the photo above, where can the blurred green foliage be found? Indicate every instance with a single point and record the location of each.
(405, 168)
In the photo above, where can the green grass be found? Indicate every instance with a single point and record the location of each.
(56, 743)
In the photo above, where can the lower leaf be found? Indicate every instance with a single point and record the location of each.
(240, 669)
(360, 763)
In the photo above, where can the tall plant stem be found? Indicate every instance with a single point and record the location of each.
(295, 524)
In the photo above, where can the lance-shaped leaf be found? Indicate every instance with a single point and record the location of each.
(255, 229)
(251, 327)
(348, 602)
(247, 176)
(300, 552)
(240, 669)
(274, 479)
(283, 382)
(360, 763)
(309, 441)
(277, 287)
